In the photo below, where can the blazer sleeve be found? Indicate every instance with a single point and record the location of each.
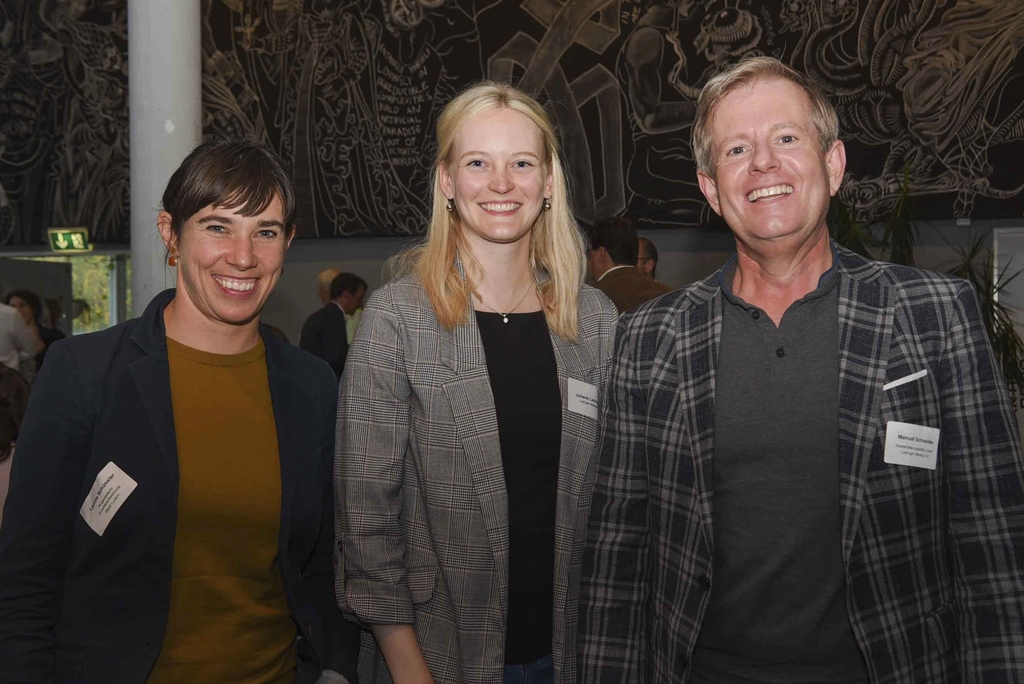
(615, 558)
(372, 446)
(981, 451)
(46, 479)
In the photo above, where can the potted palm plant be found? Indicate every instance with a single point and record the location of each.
(975, 263)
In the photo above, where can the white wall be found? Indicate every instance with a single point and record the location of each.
(295, 298)
(684, 255)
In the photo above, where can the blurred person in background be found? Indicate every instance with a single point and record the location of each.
(14, 391)
(328, 332)
(612, 258)
(170, 511)
(353, 294)
(16, 339)
(647, 258)
(33, 312)
(323, 283)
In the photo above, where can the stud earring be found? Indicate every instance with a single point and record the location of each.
(450, 205)
(547, 204)
(172, 260)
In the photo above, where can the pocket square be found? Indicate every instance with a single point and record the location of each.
(904, 380)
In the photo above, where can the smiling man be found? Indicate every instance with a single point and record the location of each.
(811, 471)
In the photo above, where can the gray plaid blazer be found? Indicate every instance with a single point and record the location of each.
(934, 559)
(421, 502)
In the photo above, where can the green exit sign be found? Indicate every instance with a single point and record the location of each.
(69, 240)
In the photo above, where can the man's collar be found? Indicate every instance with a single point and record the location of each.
(825, 281)
(613, 268)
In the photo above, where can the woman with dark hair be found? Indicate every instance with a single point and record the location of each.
(170, 515)
(30, 306)
(14, 390)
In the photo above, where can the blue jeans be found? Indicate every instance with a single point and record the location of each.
(540, 671)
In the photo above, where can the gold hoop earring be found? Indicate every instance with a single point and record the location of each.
(450, 205)
(547, 204)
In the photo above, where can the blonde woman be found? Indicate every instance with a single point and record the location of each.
(468, 416)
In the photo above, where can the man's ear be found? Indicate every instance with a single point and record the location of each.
(835, 166)
(709, 187)
(163, 224)
(291, 236)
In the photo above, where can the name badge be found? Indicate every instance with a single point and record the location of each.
(911, 445)
(109, 492)
(582, 398)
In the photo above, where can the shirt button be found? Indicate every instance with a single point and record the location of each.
(756, 315)
(780, 352)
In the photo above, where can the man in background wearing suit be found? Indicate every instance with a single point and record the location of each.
(811, 470)
(612, 258)
(327, 333)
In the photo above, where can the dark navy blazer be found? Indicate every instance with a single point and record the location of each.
(79, 607)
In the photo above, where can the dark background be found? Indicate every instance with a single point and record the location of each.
(929, 93)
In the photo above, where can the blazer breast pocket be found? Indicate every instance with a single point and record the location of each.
(911, 397)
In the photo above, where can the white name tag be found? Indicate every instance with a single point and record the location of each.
(582, 398)
(911, 445)
(108, 494)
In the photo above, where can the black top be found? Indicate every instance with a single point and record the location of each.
(777, 611)
(528, 405)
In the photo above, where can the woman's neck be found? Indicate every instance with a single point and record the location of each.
(503, 279)
(186, 325)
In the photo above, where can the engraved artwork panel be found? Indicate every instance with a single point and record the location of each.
(929, 94)
(63, 119)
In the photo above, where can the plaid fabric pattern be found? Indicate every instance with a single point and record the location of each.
(934, 559)
(421, 503)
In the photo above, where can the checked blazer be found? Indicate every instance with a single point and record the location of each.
(422, 516)
(934, 559)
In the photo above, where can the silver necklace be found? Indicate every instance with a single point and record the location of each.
(504, 316)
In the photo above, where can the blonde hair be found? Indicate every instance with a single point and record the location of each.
(747, 73)
(557, 253)
(324, 277)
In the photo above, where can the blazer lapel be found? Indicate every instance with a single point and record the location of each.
(287, 419)
(152, 377)
(578, 445)
(697, 343)
(865, 332)
(476, 423)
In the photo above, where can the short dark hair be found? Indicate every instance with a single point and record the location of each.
(346, 282)
(30, 298)
(618, 236)
(14, 391)
(237, 174)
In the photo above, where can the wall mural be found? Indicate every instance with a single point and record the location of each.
(63, 119)
(929, 93)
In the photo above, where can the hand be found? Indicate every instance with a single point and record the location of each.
(331, 677)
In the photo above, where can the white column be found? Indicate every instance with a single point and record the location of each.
(165, 100)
